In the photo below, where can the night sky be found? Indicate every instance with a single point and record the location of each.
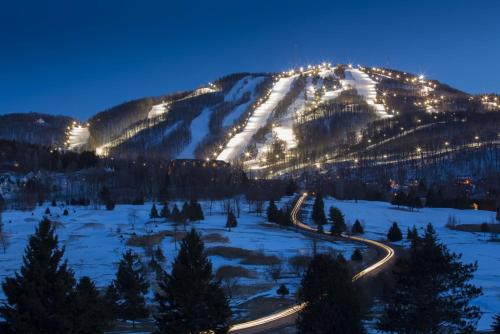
(78, 58)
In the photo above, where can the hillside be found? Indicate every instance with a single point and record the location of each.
(321, 116)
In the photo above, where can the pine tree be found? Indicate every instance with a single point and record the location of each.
(337, 219)
(318, 211)
(47, 211)
(153, 214)
(89, 315)
(291, 187)
(498, 215)
(131, 286)
(190, 300)
(65, 212)
(282, 291)
(231, 221)
(39, 296)
(199, 212)
(394, 233)
(432, 291)
(333, 305)
(357, 255)
(185, 212)
(400, 199)
(357, 228)
(195, 211)
(272, 212)
(165, 212)
(496, 324)
(412, 234)
(176, 214)
(110, 303)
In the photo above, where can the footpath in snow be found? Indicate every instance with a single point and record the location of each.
(259, 118)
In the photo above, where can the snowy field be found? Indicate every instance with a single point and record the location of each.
(95, 240)
(378, 216)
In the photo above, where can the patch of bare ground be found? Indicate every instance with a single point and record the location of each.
(215, 238)
(492, 228)
(247, 256)
(234, 272)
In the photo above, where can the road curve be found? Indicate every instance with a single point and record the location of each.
(288, 316)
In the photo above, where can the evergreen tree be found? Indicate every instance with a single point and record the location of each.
(104, 195)
(54, 203)
(318, 211)
(110, 302)
(357, 255)
(231, 220)
(131, 286)
(400, 199)
(195, 211)
(110, 205)
(154, 212)
(394, 233)
(485, 228)
(39, 296)
(498, 215)
(190, 300)
(432, 291)
(412, 234)
(165, 212)
(332, 302)
(199, 212)
(496, 324)
(65, 212)
(337, 219)
(88, 310)
(272, 212)
(185, 212)
(47, 211)
(357, 228)
(413, 200)
(291, 187)
(282, 291)
(176, 214)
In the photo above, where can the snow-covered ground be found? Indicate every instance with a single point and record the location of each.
(199, 130)
(95, 239)
(378, 216)
(259, 118)
(78, 136)
(366, 88)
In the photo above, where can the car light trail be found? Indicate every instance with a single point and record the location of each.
(294, 310)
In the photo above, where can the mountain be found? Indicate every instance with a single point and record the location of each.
(322, 116)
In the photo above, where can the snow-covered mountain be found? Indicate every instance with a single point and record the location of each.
(277, 122)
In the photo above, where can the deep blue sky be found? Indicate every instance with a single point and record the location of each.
(77, 58)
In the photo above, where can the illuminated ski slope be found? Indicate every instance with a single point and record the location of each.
(155, 115)
(78, 136)
(158, 110)
(366, 87)
(259, 118)
(246, 85)
(199, 130)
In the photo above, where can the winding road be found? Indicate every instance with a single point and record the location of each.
(289, 315)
